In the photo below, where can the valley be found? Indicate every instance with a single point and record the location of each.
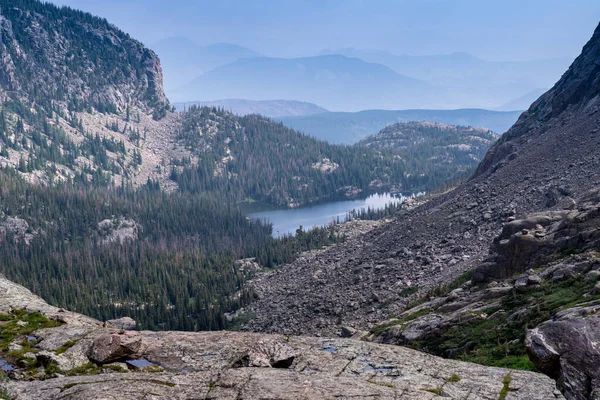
(250, 248)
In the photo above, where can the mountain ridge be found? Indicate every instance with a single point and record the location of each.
(333, 81)
(267, 108)
(349, 128)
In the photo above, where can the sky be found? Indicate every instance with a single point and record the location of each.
(502, 30)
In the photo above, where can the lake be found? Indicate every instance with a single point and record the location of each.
(286, 221)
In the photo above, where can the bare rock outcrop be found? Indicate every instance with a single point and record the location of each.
(235, 365)
(526, 243)
(566, 349)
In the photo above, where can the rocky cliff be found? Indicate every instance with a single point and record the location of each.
(79, 98)
(57, 354)
(59, 57)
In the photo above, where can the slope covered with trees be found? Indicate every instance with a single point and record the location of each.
(438, 152)
(254, 157)
(167, 260)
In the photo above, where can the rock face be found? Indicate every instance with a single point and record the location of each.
(126, 323)
(566, 348)
(527, 243)
(577, 90)
(72, 57)
(233, 365)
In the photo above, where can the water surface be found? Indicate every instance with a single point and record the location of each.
(287, 221)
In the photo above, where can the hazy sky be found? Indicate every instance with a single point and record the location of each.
(492, 29)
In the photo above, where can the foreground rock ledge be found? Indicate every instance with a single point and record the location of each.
(232, 365)
(203, 366)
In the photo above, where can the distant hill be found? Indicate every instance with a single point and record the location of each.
(183, 60)
(335, 82)
(267, 108)
(349, 128)
(439, 149)
(469, 81)
(523, 102)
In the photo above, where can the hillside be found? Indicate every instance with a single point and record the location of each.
(266, 108)
(58, 121)
(546, 164)
(334, 82)
(253, 157)
(438, 149)
(349, 128)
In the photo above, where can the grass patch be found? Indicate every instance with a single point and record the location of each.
(379, 329)
(115, 368)
(437, 391)
(453, 378)
(11, 329)
(442, 290)
(52, 369)
(62, 349)
(506, 387)
(488, 341)
(409, 291)
(85, 370)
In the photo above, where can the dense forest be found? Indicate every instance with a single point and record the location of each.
(167, 260)
(254, 157)
(441, 154)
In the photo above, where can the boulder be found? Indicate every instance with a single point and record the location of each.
(125, 323)
(566, 349)
(528, 242)
(111, 346)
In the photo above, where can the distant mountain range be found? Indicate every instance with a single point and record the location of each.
(351, 79)
(349, 128)
(334, 81)
(183, 60)
(468, 78)
(267, 108)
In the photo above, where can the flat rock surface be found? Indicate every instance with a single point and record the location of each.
(202, 365)
(238, 365)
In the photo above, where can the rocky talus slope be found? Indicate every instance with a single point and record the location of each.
(80, 358)
(537, 297)
(552, 159)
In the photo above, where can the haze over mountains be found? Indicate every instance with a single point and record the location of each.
(115, 206)
(351, 79)
(183, 60)
(334, 81)
(349, 128)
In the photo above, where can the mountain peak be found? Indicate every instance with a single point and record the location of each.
(75, 59)
(577, 89)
